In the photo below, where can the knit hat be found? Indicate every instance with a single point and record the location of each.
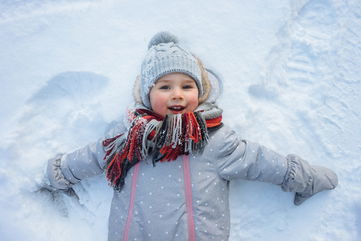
(165, 56)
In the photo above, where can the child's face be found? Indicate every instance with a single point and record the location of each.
(174, 93)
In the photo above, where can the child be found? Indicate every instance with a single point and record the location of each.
(171, 166)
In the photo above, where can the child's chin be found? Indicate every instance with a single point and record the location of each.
(173, 112)
(176, 112)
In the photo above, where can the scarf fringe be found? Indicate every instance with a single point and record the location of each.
(162, 139)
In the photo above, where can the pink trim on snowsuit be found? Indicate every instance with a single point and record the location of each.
(188, 196)
(131, 202)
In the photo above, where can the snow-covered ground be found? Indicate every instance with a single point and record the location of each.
(292, 81)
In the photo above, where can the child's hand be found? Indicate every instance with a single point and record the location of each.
(55, 176)
(54, 183)
(307, 180)
(55, 187)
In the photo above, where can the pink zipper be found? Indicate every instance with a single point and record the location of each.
(131, 202)
(188, 193)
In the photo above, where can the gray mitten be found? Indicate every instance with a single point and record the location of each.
(55, 176)
(307, 180)
(55, 186)
(53, 181)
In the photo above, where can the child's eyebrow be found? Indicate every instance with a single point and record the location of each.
(162, 80)
(168, 80)
(190, 81)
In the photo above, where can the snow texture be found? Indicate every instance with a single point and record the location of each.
(291, 72)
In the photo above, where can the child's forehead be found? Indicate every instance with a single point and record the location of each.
(176, 77)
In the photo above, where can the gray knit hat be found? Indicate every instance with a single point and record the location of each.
(165, 56)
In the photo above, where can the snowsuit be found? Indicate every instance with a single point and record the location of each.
(185, 199)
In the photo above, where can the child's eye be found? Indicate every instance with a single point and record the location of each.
(164, 87)
(188, 87)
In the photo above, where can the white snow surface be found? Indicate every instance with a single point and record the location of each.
(292, 82)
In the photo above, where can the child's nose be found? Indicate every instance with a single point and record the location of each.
(177, 93)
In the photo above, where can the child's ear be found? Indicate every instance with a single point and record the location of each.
(136, 90)
(206, 86)
(215, 81)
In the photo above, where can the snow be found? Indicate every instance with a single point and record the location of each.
(291, 72)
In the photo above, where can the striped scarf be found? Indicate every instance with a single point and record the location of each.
(162, 139)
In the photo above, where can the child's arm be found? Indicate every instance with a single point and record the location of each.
(251, 161)
(63, 171)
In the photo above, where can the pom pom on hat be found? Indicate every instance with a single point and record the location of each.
(162, 37)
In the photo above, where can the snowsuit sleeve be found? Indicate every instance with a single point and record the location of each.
(243, 159)
(83, 163)
(71, 168)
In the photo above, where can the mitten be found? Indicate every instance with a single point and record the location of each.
(307, 180)
(55, 176)
(54, 181)
(55, 187)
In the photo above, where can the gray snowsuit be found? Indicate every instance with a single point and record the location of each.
(185, 199)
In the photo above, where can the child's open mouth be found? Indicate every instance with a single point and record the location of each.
(176, 109)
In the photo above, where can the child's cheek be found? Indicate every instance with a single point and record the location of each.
(193, 103)
(159, 104)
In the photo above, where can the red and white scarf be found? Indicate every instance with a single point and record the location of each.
(162, 139)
